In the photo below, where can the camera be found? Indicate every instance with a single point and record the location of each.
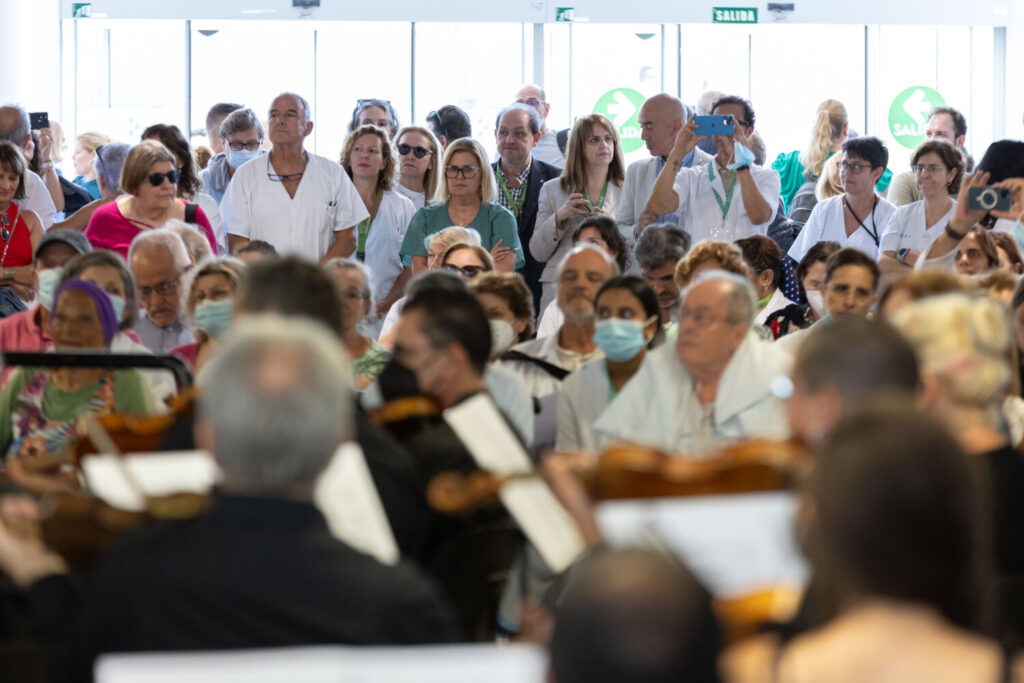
(988, 198)
(39, 120)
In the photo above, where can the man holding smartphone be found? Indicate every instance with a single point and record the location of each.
(727, 199)
(15, 128)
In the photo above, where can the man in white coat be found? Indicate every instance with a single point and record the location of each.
(719, 383)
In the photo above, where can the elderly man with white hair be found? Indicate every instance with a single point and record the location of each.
(719, 383)
(158, 259)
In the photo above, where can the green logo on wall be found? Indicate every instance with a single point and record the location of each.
(565, 13)
(80, 9)
(622, 107)
(909, 114)
(733, 15)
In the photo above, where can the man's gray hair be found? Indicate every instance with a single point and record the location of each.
(535, 121)
(580, 248)
(660, 244)
(307, 112)
(239, 121)
(279, 398)
(198, 248)
(15, 133)
(162, 238)
(108, 164)
(741, 300)
(707, 101)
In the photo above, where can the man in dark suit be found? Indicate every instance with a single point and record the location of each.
(519, 177)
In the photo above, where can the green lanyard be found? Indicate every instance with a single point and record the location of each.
(515, 206)
(764, 302)
(364, 226)
(600, 200)
(718, 198)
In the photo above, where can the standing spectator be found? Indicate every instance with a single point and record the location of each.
(551, 146)
(449, 123)
(419, 165)
(797, 169)
(84, 159)
(214, 118)
(241, 135)
(301, 203)
(375, 112)
(38, 197)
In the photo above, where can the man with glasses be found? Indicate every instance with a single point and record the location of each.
(944, 123)
(301, 203)
(551, 146)
(519, 176)
(241, 137)
(158, 259)
(449, 123)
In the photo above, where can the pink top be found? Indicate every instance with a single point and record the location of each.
(22, 332)
(109, 229)
(188, 353)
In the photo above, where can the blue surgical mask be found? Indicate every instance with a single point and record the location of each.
(237, 157)
(742, 156)
(118, 303)
(48, 280)
(621, 340)
(214, 317)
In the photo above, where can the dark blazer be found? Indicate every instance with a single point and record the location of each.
(540, 173)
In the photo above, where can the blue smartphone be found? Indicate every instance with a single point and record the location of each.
(715, 125)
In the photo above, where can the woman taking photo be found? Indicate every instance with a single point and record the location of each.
(467, 200)
(419, 155)
(20, 232)
(590, 185)
(149, 177)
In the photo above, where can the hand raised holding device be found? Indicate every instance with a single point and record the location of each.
(716, 124)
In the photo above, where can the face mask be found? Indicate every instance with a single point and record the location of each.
(237, 157)
(48, 280)
(502, 337)
(214, 317)
(817, 301)
(620, 339)
(742, 156)
(118, 303)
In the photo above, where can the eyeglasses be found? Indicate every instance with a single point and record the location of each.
(418, 152)
(853, 168)
(932, 169)
(532, 102)
(157, 179)
(468, 272)
(468, 172)
(700, 317)
(251, 146)
(165, 288)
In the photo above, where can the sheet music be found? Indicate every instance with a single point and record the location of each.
(125, 481)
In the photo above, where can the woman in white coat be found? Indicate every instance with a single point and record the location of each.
(590, 185)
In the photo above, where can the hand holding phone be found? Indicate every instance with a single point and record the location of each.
(718, 124)
(988, 198)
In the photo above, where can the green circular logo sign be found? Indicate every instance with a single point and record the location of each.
(909, 114)
(622, 107)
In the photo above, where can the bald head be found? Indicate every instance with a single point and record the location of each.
(661, 117)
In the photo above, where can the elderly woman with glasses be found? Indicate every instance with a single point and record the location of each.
(150, 179)
(419, 164)
(242, 135)
(467, 199)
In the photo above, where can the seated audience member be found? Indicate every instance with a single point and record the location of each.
(798, 169)
(29, 330)
(706, 256)
(590, 185)
(158, 259)
(658, 250)
(43, 158)
(214, 119)
(627, 324)
(998, 284)
(196, 245)
(149, 180)
(765, 273)
(278, 404)
(20, 232)
(354, 284)
(945, 124)
(634, 615)
(419, 165)
(976, 253)
(551, 147)
(714, 385)
(467, 260)
(43, 405)
(1010, 259)
(109, 159)
(377, 113)
(939, 169)
(921, 284)
(84, 159)
(466, 199)
(240, 136)
(858, 217)
(661, 117)
(705, 197)
(317, 219)
(254, 250)
(15, 129)
(209, 308)
(963, 345)
(810, 279)
(909, 593)
(369, 159)
(508, 304)
(448, 124)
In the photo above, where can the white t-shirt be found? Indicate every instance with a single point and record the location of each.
(699, 212)
(209, 206)
(547, 149)
(258, 208)
(38, 199)
(827, 223)
(419, 199)
(385, 239)
(906, 228)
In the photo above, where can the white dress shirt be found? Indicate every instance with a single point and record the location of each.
(212, 210)
(827, 223)
(636, 190)
(326, 202)
(37, 198)
(700, 214)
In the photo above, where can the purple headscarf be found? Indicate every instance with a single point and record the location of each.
(104, 308)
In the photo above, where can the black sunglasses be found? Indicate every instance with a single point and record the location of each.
(418, 152)
(468, 272)
(157, 179)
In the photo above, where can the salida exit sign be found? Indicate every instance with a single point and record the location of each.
(734, 15)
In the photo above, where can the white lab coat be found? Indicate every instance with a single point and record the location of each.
(906, 228)
(659, 406)
(776, 303)
(583, 397)
(827, 223)
(385, 239)
(698, 210)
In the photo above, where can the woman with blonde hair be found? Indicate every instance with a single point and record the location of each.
(466, 199)
(419, 164)
(710, 255)
(83, 157)
(590, 185)
(831, 128)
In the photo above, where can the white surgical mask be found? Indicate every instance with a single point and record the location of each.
(817, 301)
(502, 337)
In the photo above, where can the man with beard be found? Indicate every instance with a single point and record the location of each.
(659, 250)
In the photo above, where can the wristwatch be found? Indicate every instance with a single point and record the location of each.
(901, 255)
(45, 165)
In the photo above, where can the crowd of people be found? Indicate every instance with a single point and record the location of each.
(696, 299)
